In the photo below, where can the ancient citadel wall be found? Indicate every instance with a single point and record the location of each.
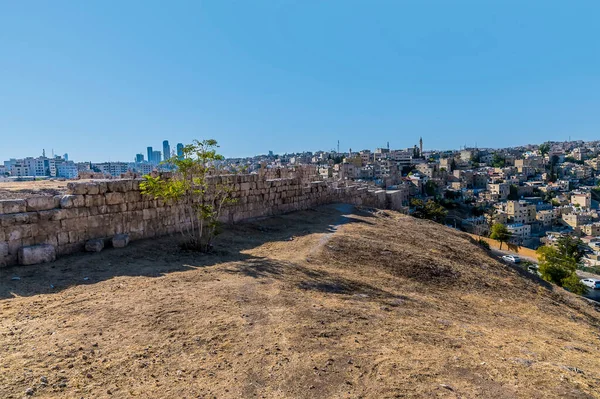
(103, 209)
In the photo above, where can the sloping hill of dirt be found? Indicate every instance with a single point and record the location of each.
(331, 302)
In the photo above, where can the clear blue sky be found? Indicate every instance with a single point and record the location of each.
(104, 79)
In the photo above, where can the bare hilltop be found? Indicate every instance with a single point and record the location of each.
(333, 302)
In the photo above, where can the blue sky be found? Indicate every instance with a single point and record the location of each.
(104, 79)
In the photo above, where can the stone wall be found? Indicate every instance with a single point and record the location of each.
(104, 209)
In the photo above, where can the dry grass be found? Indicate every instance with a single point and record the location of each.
(386, 306)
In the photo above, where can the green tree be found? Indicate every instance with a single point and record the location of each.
(498, 161)
(544, 149)
(500, 232)
(571, 247)
(428, 210)
(557, 267)
(513, 194)
(189, 187)
(431, 188)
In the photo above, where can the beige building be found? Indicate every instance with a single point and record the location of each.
(592, 229)
(576, 220)
(521, 212)
(500, 189)
(545, 218)
(584, 200)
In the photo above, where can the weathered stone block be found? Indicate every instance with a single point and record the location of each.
(119, 186)
(76, 188)
(95, 245)
(114, 198)
(42, 203)
(74, 224)
(63, 238)
(12, 206)
(133, 196)
(94, 200)
(102, 187)
(72, 201)
(120, 240)
(47, 227)
(19, 232)
(32, 255)
(3, 249)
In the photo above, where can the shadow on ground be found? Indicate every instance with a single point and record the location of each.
(157, 257)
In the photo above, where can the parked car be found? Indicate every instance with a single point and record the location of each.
(592, 283)
(511, 258)
(533, 269)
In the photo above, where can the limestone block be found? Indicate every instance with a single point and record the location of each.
(42, 203)
(32, 255)
(74, 237)
(102, 187)
(120, 240)
(92, 200)
(3, 249)
(72, 201)
(74, 224)
(77, 188)
(115, 198)
(119, 186)
(133, 196)
(63, 238)
(12, 206)
(47, 227)
(95, 245)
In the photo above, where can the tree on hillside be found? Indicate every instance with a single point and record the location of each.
(498, 161)
(544, 149)
(500, 233)
(559, 268)
(428, 210)
(513, 194)
(431, 188)
(188, 187)
(571, 247)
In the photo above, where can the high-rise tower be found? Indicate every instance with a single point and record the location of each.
(166, 150)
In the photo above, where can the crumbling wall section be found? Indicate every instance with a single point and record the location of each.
(103, 209)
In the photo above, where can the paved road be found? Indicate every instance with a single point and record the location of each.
(592, 294)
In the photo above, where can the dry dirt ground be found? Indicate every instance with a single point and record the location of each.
(385, 306)
(27, 189)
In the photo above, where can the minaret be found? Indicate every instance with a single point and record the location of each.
(421, 146)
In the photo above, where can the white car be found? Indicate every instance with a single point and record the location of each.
(511, 258)
(592, 283)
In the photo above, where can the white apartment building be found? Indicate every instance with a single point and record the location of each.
(67, 170)
(519, 230)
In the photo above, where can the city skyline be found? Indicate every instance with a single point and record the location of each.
(147, 156)
(93, 80)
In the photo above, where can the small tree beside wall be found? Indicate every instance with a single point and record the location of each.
(500, 232)
(202, 199)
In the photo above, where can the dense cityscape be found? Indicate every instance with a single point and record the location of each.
(536, 191)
